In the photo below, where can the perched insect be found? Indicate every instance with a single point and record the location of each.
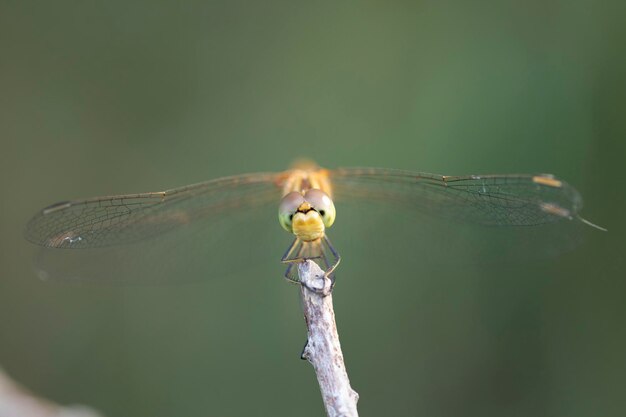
(122, 237)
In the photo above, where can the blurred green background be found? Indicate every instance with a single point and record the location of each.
(112, 97)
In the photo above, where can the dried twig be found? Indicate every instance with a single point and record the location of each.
(323, 349)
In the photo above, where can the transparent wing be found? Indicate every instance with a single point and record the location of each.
(438, 219)
(500, 200)
(202, 229)
(121, 219)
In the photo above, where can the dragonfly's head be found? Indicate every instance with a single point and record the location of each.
(306, 215)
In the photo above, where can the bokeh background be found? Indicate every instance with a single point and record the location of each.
(112, 97)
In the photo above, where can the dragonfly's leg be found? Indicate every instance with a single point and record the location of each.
(287, 257)
(291, 257)
(300, 251)
(337, 258)
(290, 274)
(297, 256)
(330, 274)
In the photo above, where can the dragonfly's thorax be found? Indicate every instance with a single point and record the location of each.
(302, 180)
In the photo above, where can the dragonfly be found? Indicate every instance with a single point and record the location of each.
(123, 237)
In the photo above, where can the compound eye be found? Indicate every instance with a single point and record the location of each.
(322, 203)
(288, 207)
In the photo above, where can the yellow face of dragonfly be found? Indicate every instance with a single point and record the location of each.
(306, 215)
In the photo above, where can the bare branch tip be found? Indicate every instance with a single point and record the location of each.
(313, 278)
